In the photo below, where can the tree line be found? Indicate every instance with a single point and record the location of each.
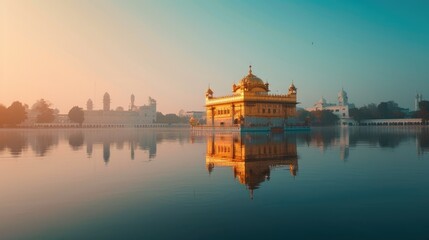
(13, 115)
(388, 110)
(18, 112)
(316, 118)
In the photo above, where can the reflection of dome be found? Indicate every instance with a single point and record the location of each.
(251, 83)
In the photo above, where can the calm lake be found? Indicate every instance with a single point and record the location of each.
(344, 183)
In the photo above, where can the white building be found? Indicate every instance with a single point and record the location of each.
(341, 110)
(136, 115)
(418, 99)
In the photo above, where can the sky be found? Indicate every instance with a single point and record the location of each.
(71, 50)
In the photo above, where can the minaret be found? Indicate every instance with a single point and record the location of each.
(416, 102)
(89, 105)
(106, 102)
(418, 99)
(133, 98)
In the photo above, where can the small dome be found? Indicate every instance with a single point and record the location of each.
(322, 101)
(209, 91)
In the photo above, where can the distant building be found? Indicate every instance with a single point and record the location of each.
(341, 110)
(250, 105)
(199, 115)
(106, 102)
(89, 105)
(136, 115)
(418, 99)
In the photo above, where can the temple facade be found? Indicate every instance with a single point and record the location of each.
(251, 105)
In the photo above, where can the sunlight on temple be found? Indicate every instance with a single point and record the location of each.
(251, 105)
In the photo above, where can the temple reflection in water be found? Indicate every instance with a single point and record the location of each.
(251, 156)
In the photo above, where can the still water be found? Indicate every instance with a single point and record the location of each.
(344, 183)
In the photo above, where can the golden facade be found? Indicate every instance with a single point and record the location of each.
(251, 105)
(251, 157)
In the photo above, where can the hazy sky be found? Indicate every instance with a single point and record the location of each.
(69, 51)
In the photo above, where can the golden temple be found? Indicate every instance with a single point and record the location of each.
(251, 105)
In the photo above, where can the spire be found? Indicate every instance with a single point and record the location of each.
(250, 69)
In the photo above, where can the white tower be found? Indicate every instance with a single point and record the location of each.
(106, 102)
(343, 100)
(132, 105)
(419, 98)
(89, 105)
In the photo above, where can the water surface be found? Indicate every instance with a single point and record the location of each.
(344, 183)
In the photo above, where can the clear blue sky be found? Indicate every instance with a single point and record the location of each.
(172, 50)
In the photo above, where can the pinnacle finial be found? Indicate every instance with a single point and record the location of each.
(250, 69)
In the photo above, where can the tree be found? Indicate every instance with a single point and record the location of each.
(16, 113)
(325, 117)
(76, 115)
(390, 109)
(3, 115)
(370, 111)
(45, 114)
(304, 116)
(356, 114)
(170, 118)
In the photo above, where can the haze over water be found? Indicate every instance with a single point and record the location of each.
(349, 183)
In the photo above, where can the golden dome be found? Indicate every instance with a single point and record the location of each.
(250, 82)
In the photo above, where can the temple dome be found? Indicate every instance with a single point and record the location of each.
(251, 83)
(251, 79)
